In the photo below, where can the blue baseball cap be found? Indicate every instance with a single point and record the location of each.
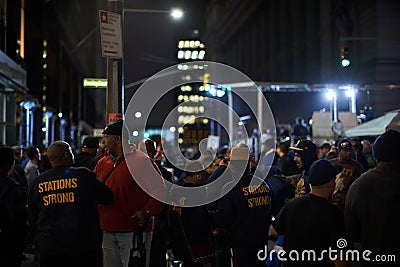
(322, 172)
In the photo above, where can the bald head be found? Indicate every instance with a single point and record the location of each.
(59, 154)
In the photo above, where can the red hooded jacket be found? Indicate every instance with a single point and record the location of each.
(129, 197)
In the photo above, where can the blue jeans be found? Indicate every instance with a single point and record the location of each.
(116, 249)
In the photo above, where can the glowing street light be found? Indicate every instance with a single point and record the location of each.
(115, 100)
(330, 95)
(176, 13)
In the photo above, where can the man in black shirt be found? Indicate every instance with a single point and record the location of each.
(372, 201)
(12, 213)
(63, 202)
(311, 222)
(244, 213)
(285, 162)
(87, 158)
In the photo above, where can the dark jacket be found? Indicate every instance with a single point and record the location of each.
(370, 210)
(245, 215)
(84, 159)
(12, 221)
(63, 202)
(188, 224)
(287, 165)
(281, 189)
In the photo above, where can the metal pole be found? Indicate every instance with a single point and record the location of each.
(260, 109)
(230, 116)
(353, 103)
(114, 70)
(335, 112)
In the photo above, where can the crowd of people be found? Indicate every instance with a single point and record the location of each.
(108, 205)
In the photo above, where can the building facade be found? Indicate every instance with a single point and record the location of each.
(304, 41)
(45, 54)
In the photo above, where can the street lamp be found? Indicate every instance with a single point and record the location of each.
(114, 65)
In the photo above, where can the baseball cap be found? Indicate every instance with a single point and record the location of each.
(325, 145)
(343, 144)
(304, 145)
(90, 142)
(322, 172)
(114, 128)
(386, 147)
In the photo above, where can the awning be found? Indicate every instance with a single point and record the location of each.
(390, 120)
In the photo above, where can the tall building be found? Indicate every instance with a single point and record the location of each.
(305, 41)
(45, 54)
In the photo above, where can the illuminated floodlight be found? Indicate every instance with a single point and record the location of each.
(350, 93)
(176, 13)
(330, 95)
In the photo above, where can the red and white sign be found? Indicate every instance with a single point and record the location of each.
(111, 34)
(114, 117)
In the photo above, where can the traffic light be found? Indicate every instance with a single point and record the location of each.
(344, 56)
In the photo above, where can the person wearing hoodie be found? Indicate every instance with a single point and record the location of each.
(305, 155)
(372, 201)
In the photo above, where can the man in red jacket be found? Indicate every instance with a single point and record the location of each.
(120, 173)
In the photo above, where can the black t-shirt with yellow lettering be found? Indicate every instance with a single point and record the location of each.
(245, 213)
(63, 202)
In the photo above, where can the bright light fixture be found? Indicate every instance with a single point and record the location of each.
(345, 62)
(176, 13)
(330, 94)
(350, 93)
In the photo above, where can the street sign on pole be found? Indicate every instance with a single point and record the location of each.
(111, 34)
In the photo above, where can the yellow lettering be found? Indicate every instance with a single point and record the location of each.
(45, 186)
(61, 183)
(245, 192)
(74, 183)
(258, 201)
(67, 183)
(40, 187)
(49, 187)
(250, 202)
(45, 200)
(53, 198)
(67, 197)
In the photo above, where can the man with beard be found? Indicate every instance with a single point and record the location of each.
(305, 155)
